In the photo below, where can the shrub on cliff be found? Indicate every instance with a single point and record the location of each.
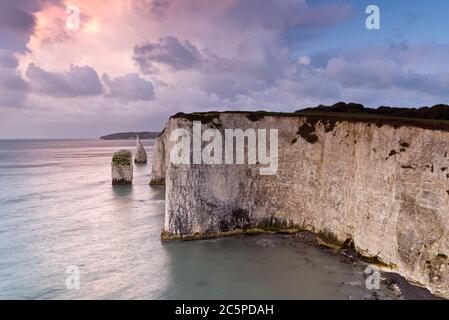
(122, 157)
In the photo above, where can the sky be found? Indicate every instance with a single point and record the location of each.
(127, 65)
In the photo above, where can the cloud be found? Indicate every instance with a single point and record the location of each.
(373, 73)
(168, 52)
(16, 19)
(257, 65)
(304, 60)
(11, 80)
(281, 14)
(130, 87)
(8, 60)
(18, 22)
(268, 14)
(16, 27)
(385, 74)
(77, 81)
(165, 56)
(13, 88)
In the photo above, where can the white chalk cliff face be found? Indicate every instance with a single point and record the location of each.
(384, 189)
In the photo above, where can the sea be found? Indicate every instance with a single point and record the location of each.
(67, 233)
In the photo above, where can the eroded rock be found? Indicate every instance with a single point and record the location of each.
(122, 168)
(141, 154)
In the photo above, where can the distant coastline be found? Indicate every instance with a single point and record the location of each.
(145, 135)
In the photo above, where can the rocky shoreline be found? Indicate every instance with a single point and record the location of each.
(399, 287)
(393, 285)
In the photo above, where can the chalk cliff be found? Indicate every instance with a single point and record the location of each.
(381, 186)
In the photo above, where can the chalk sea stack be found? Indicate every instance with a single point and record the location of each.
(122, 168)
(141, 154)
(377, 181)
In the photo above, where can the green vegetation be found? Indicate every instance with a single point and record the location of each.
(329, 125)
(392, 153)
(157, 182)
(377, 261)
(122, 157)
(256, 116)
(247, 231)
(204, 117)
(328, 239)
(307, 131)
(380, 121)
(437, 112)
(434, 118)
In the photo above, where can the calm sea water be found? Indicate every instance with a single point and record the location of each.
(59, 209)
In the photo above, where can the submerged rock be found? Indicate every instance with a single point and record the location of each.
(122, 168)
(141, 154)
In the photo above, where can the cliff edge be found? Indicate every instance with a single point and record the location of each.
(379, 184)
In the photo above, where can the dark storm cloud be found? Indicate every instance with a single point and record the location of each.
(16, 19)
(77, 81)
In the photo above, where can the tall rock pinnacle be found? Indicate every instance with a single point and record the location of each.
(141, 154)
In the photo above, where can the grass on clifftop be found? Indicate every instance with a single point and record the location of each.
(433, 118)
(122, 157)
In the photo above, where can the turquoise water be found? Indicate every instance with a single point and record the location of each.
(59, 209)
